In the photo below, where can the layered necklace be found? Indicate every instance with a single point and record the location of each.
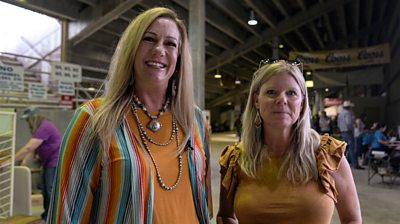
(153, 124)
(144, 136)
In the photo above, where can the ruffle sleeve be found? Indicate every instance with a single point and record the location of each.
(229, 168)
(329, 156)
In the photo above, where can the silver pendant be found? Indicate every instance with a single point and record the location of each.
(154, 125)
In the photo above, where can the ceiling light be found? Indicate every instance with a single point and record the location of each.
(252, 20)
(326, 89)
(91, 88)
(237, 81)
(310, 83)
(217, 76)
(308, 73)
(281, 46)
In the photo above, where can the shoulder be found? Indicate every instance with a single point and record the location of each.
(230, 155)
(230, 167)
(329, 157)
(331, 146)
(90, 106)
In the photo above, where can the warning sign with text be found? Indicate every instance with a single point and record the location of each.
(66, 88)
(11, 78)
(37, 91)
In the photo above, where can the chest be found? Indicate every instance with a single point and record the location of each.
(273, 200)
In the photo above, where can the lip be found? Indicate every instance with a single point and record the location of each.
(155, 64)
(281, 112)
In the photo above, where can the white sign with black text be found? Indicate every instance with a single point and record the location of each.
(66, 88)
(66, 72)
(11, 77)
(37, 91)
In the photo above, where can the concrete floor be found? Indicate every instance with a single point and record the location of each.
(379, 202)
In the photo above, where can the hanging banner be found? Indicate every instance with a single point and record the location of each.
(378, 54)
(11, 77)
(37, 91)
(66, 72)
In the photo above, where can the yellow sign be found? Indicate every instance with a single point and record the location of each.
(378, 54)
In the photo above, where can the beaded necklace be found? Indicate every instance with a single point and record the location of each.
(154, 125)
(146, 146)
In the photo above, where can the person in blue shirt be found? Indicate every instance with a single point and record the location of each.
(366, 140)
(380, 141)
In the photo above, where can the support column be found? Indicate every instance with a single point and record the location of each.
(197, 39)
(64, 40)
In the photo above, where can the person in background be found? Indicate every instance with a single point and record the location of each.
(325, 124)
(345, 123)
(366, 140)
(359, 128)
(380, 141)
(140, 153)
(284, 171)
(238, 126)
(45, 141)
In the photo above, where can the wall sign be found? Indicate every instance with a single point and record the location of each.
(11, 77)
(37, 91)
(66, 72)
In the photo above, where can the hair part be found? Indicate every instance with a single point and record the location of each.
(299, 166)
(119, 92)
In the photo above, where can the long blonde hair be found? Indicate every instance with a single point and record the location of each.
(119, 91)
(34, 121)
(299, 166)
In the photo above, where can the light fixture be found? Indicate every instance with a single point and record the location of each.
(281, 46)
(217, 75)
(309, 83)
(308, 73)
(326, 89)
(91, 88)
(237, 81)
(252, 20)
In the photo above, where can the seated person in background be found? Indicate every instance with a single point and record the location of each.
(380, 141)
(366, 140)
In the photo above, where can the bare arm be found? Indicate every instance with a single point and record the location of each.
(29, 147)
(348, 205)
(226, 214)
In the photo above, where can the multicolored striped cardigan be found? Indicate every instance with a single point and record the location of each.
(88, 188)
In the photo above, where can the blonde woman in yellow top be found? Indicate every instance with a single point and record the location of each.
(283, 171)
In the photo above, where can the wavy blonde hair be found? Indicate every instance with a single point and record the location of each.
(299, 166)
(119, 91)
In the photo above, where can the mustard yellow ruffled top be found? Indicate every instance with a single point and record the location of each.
(270, 199)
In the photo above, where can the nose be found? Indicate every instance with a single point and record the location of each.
(159, 49)
(281, 98)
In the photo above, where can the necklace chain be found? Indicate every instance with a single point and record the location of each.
(143, 131)
(142, 136)
(154, 125)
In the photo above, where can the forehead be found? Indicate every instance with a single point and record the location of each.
(165, 27)
(281, 80)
